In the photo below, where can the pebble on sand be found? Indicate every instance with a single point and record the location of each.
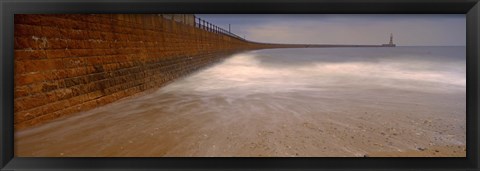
(421, 149)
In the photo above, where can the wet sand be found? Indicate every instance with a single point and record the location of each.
(434, 151)
(235, 109)
(323, 131)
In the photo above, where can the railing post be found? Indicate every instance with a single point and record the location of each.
(198, 24)
(205, 25)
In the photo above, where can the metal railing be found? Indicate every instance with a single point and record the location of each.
(205, 25)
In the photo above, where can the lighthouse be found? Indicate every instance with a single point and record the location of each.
(390, 44)
(391, 39)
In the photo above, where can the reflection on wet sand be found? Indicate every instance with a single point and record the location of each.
(252, 105)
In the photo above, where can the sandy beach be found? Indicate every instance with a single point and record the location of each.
(356, 131)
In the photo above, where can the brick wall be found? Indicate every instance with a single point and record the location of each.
(71, 63)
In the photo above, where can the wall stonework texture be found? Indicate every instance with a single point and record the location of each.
(66, 64)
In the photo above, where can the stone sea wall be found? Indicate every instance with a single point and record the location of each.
(66, 64)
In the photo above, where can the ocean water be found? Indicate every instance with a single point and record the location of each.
(426, 69)
(280, 102)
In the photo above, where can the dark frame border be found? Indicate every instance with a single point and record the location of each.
(10, 7)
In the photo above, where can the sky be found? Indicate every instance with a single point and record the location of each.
(407, 29)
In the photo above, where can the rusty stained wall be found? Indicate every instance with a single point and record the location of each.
(188, 19)
(66, 64)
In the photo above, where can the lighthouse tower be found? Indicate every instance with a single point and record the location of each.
(390, 44)
(391, 39)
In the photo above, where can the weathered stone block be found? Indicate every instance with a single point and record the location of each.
(50, 32)
(29, 54)
(57, 44)
(56, 53)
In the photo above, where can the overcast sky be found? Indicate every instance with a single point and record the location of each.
(408, 30)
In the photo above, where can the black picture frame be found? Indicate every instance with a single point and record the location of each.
(471, 8)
